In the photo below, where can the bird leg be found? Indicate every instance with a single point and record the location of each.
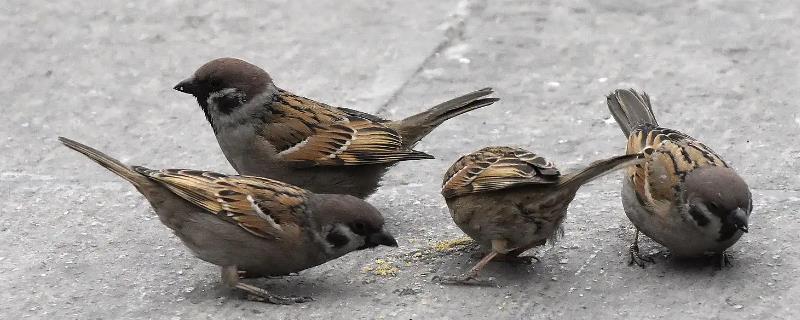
(515, 259)
(724, 260)
(471, 277)
(513, 256)
(636, 256)
(230, 276)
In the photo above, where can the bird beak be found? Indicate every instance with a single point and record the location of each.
(381, 238)
(186, 86)
(739, 219)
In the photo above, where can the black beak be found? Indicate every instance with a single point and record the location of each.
(382, 238)
(187, 86)
(739, 219)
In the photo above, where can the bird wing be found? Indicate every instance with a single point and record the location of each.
(363, 115)
(662, 172)
(264, 207)
(495, 168)
(309, 133)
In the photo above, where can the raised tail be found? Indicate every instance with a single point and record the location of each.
(416, 127)
(108, 162)
(601, 167)
(630, 109)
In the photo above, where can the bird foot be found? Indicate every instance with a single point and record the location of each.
(274, 299)
(724, 260)
(260, 295)
(465, 280)
(526, 260)
(637, 258)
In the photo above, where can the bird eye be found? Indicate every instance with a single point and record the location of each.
(359, 228)
(712, 206)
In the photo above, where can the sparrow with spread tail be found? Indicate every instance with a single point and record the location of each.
(266, 131)
(250, 226)
(510, 200)
(683, 195)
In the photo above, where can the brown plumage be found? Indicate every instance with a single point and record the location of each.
(251, 225)
(267, 131)
(510, 200)
(683, 196)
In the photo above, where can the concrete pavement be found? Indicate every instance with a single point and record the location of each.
(81, 243)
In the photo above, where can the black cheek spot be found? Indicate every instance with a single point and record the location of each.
(727, 231)
(337, 239)
(698, 217)
(227, 103)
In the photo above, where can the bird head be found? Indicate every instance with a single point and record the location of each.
(223, 85)
(719, 201)
(349, 224)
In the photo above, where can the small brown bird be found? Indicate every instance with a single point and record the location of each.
(252, 226)
(269, 132)
(683, 195)
(510, 200)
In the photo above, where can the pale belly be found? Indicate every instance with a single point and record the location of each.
(674, 230)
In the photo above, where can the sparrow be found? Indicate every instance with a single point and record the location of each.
(266, 131)
(683, 195)
(510, 200)
(251, 226)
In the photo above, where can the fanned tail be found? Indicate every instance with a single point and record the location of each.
(416, 127)
(630, 109)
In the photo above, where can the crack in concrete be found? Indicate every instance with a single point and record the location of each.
(465, 9)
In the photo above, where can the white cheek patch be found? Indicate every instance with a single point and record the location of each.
(354, 241)
(213, 107)
(222, 92)
(711, 229)
(237, 117)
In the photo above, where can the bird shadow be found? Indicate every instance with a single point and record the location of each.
(293, 285)
(664, 260)
(455, 262)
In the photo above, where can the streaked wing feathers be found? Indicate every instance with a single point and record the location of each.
(266, 208)
(309, 133)
(675, 154)
(495, 168)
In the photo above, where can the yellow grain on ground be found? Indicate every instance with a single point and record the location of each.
(449, 245)
(382, 268)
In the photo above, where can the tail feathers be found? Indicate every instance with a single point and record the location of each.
(107, 162)
(599, 168)
(416, 127)
(630, 109)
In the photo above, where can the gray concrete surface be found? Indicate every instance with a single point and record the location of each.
(80, 243)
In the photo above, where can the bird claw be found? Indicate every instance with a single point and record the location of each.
(274, 299)
(465, 280)
(526, 260)
(724, 261)
(637, 258)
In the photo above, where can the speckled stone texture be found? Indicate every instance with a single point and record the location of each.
(81, 243)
